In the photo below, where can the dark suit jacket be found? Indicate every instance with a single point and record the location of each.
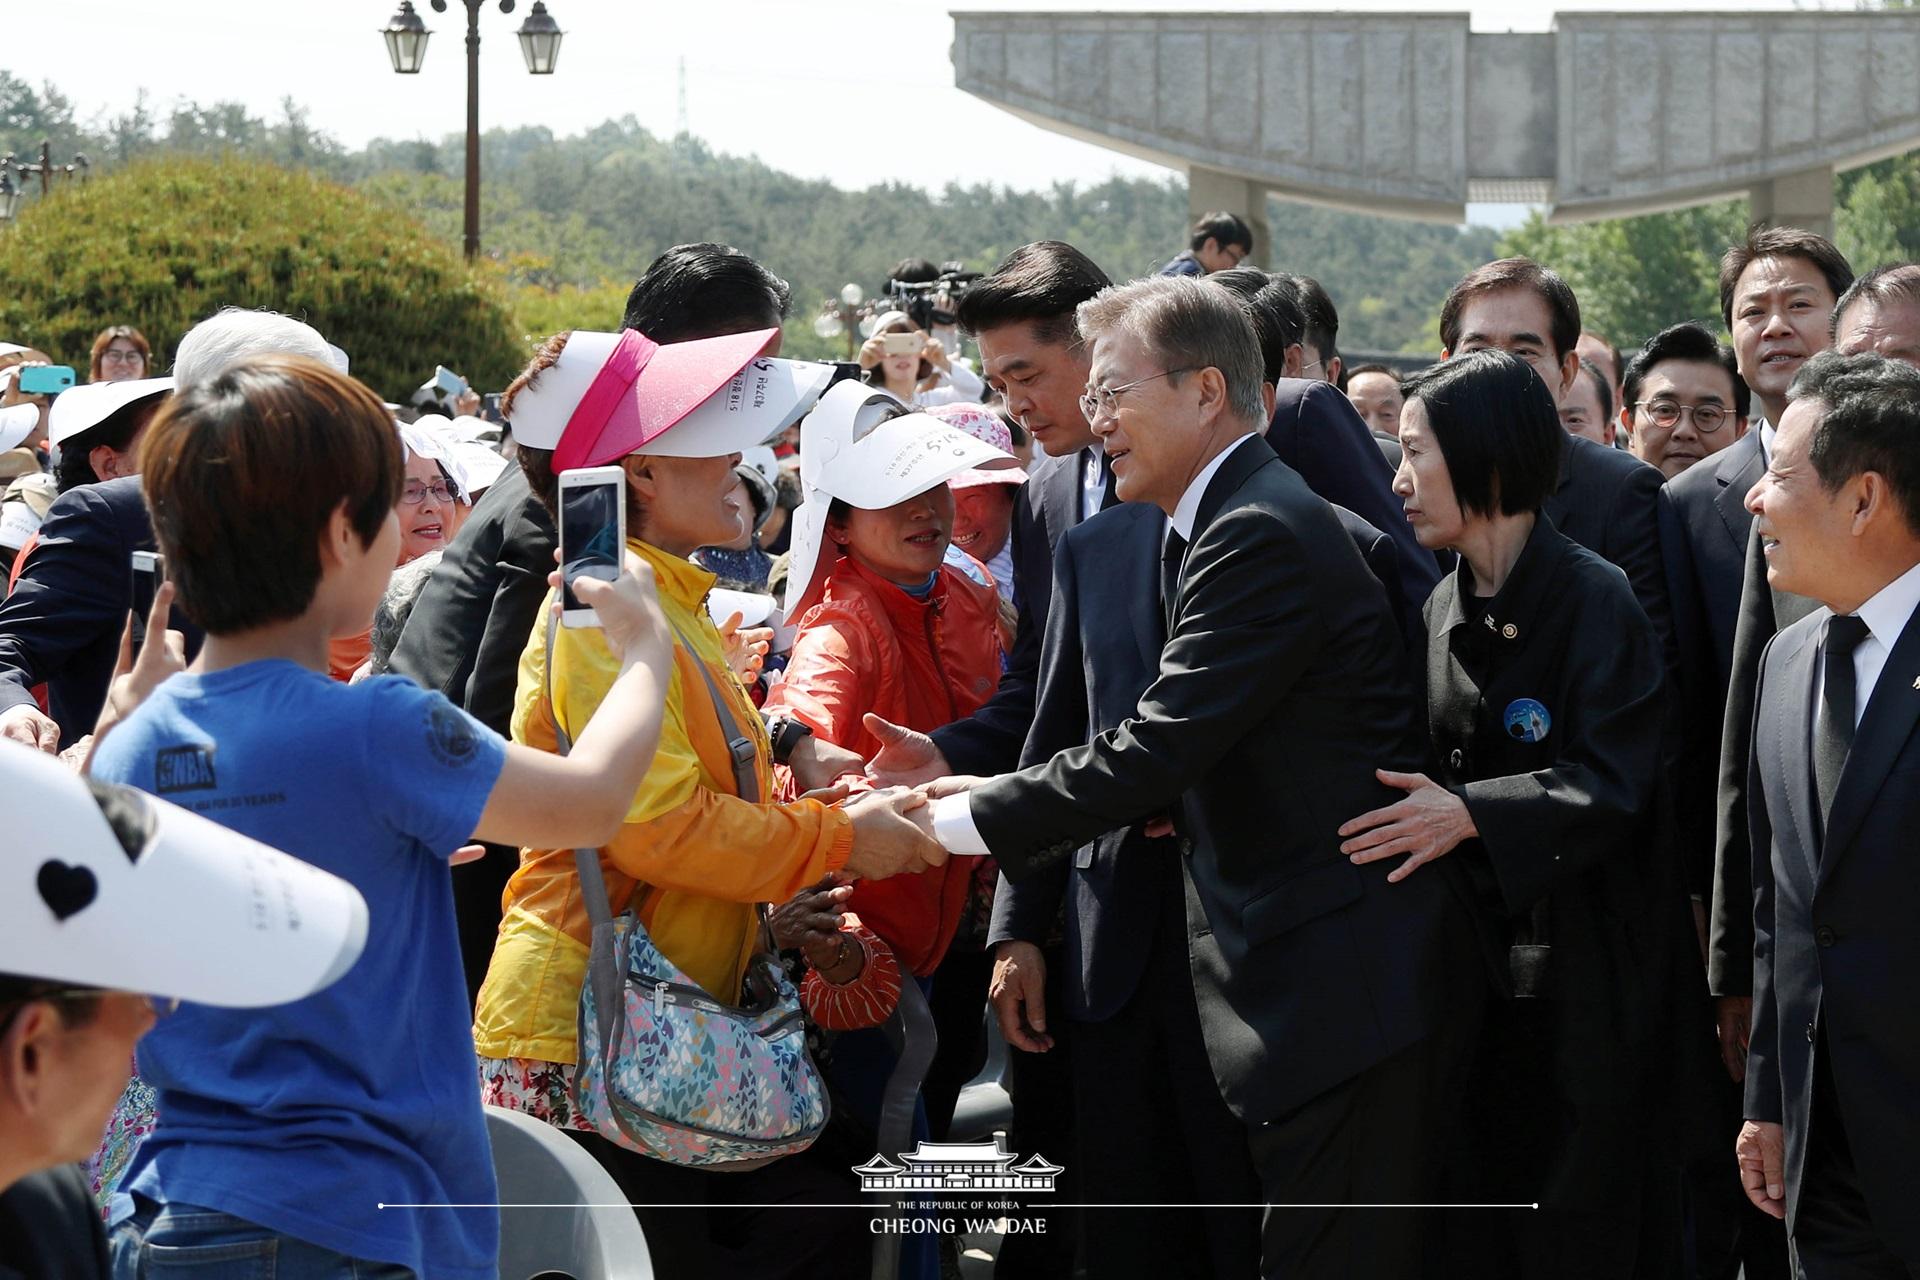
(1101, 653)
(989, 741)
(1608, 502)
(1317, 431)
(1834, 941)
(471, 622)
(1703, 541)
(1764, 613)
(1279, 691)
(63, 621)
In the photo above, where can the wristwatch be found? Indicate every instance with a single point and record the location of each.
(786, 733)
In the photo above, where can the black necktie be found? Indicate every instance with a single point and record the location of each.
(1108, 498)
(1833, 718)
(1171, 561)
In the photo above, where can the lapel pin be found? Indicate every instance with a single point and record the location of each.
(1916, 682)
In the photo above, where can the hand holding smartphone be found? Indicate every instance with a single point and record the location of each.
(593, 535)
(903, 344)
(149, 571)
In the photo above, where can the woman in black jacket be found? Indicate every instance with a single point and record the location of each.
(1546, 704)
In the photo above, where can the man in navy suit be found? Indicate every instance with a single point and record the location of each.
(61, 626)
(1834, 799)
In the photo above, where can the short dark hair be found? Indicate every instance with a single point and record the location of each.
(242, 474)
(1895, 283)
(1872, 423)
(1515, 273)
(1348, 375)
(1321, 322)
(1222, 228)
(1273, 306)
(1690, 342)
(1497, 427)
(1781, 242)
(116, 431)
(1601, 387)
(691, 291)
(1043, 282)
(913, 271)
(77, 1005)
(702, 291)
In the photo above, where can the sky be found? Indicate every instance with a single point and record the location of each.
(855, 91)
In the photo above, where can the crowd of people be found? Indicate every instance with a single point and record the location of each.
(1402, 822)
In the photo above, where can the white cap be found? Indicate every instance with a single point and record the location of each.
(861, 446)
(81, 409)
(701, 399)
(160, 900)
(338, 359)
(18, 523)
(17, 422)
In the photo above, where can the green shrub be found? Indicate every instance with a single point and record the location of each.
(163, 244)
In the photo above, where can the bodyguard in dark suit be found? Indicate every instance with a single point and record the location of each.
(1604, 499)
(1318, 985)
(63, 621)
(1834, 801)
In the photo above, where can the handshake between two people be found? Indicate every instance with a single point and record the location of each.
(889, 798)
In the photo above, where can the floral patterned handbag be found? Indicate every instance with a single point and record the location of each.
(665, 1068)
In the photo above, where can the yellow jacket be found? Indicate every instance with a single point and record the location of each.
(692, 858)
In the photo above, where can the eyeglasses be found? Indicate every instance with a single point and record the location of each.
(115, 356)
(416, 493)
(1098, 402)
(1666, 414)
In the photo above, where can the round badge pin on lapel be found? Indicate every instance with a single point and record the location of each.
(1527, 720)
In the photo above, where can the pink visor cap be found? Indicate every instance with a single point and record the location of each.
(613, 394)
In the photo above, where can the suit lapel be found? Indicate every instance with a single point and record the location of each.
(1140, 553)
(1793, 747)
(1060, 500)
(1741, 467)
(1891, 715)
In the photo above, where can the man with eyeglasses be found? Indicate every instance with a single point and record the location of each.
(1219, 241)
(107, 894)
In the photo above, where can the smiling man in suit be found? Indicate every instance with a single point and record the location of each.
(1834, 800)
(1318, 988)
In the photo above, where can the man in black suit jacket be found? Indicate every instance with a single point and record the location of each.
(1279, 690)
(1834, 1063)
(1605, 499)
(62, 623)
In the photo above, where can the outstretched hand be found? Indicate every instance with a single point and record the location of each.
(906, 757)
(1425, 825)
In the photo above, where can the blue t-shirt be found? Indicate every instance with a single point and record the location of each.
(307, 1117)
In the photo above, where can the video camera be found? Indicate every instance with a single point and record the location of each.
(933, 302)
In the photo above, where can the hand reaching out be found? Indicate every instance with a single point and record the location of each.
(906, 757)
(1428, 823)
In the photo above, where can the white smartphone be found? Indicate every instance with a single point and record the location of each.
(593, 534)
(149, 571)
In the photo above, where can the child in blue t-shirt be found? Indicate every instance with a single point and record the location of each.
(340, 1135)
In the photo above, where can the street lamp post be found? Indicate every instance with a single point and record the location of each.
(842, 315)
(406, 37)
(13, 175)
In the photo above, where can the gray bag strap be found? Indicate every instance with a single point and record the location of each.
(602, 957)
(914, 1038)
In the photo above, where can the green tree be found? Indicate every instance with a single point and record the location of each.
(163, 245)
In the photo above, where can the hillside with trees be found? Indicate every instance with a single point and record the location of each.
(567, 222)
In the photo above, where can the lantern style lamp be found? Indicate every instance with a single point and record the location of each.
(406, 37)
(540, 40)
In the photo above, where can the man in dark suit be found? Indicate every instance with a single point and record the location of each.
(1605, 499)
(1278, 691)
(62, 624)
(1834, 1062)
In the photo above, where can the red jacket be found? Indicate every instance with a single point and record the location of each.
(922, 663)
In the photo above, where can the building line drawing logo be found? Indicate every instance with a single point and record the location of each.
(958, 1167)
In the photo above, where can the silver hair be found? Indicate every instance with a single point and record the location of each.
(1187, 324)
(232, 334)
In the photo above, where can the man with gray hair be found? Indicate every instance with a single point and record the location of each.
(61, 624)
(1278, 688)
(232, 334)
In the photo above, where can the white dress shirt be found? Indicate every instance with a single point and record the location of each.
(953, 824)
(1886, 616)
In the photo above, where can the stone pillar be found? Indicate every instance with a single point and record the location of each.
(1211, 189)
(1803, 200)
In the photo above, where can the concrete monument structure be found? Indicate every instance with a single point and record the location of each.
(1413, 114)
